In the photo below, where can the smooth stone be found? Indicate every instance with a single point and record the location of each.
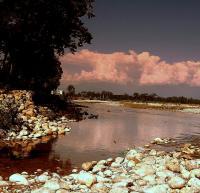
(195, 173)
(194, 182)
(145, 170)
(86, 179)
(19, 179)
(88, 165)
(62, 191)
(100, 188)
(108, 173)
(98, 168)
(43, 178)
(119, 160)
(52, 184)
(184, 173)
(162, 188)
(176, 182)
(119, 190)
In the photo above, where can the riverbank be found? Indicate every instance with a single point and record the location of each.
(186, 108)
(22, 120)
(139, 170)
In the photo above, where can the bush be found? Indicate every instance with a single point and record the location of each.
(8, 116)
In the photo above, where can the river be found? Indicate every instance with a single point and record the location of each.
(116, 129)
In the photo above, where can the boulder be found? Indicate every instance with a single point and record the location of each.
(19, 179)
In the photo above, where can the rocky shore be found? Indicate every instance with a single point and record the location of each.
(26, 121)
(139, 170)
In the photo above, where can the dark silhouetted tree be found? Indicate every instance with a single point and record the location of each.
(33, 34)
(71, 90)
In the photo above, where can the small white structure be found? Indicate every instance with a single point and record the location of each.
(57, 92)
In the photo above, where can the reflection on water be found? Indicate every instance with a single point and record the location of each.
(119, 128)
(116, 129)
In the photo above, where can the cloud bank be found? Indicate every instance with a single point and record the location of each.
(131, 67)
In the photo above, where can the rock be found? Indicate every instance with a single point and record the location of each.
(29, 113)
(62, 191)
(145, 170)
(88, 165)
(19, 179)
(122, 184)
(37, 135)
(3, 183)
(42, 190)
(23, 133)
(52, 184)
(162, 188)
(192, 164)
(158, 141)
(119, 160)
(176, 182)
(119, 190)
(115, 165)
(195, 173)
(42, 178)
(165, 174)
(184, 173)
(67, 129)
(136, 157)
(108, 173)
(98, 168)
(86, 179)
(103, 179)
(100, 188)
(74, 170)
(194, 182)
(153, 152)
(173, 166)
(141, 182)
(150, 179)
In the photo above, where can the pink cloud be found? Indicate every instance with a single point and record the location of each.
(130, 67)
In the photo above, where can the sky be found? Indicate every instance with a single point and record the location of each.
(148, 46)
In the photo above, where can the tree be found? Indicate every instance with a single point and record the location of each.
(33, 33)
(71, 90)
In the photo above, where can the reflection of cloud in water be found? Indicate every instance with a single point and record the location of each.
(117, 130)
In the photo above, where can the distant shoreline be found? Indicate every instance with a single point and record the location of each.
(186, 108)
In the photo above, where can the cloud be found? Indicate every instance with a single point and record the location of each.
(123, 68)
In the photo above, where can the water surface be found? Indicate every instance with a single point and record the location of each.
(116, 129)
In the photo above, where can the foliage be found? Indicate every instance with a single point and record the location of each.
(139, 97)
(33, 33)
(71, 90)
(8, 115)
